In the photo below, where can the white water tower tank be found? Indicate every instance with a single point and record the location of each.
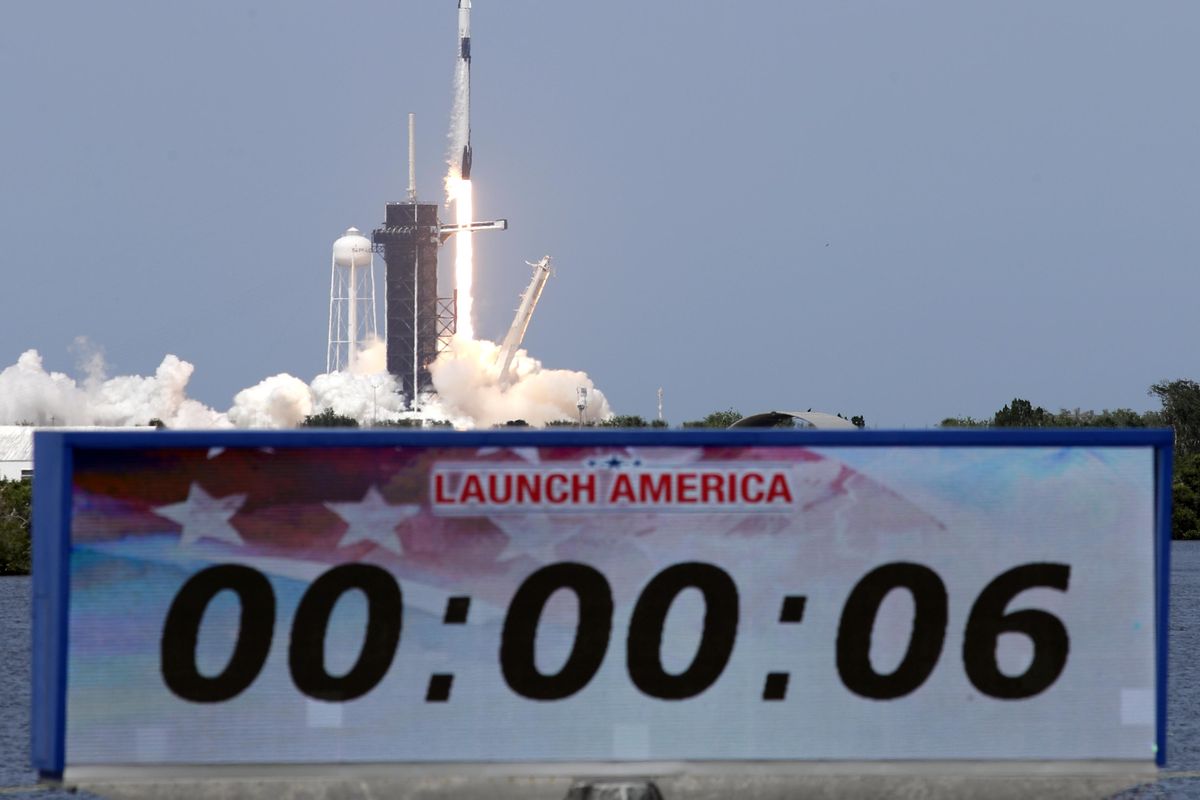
(352, 249)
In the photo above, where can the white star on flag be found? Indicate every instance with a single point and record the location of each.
(532, 535)
(373, 520)
(204, 517)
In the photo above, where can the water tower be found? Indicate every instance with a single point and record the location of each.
(351, 301)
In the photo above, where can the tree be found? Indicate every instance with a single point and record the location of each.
(397, 423)
(1181, 410)
(1021, 414)
(858, 421)
(329, 419)
(1117, 418)
(964, 422)
(625, 421)
(1185, 497)
(16, 516)
(717, 419)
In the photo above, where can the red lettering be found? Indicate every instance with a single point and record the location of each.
(756, 496)
(686, 487)
(529, 488)
(655, 488)
(779, 488)
(712, 489)
(472, 489)
(562, 494)
(721, 486)
(584, 485)
(439, 492)
(496, 483)
(622, 490)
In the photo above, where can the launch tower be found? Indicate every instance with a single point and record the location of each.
(409, 238)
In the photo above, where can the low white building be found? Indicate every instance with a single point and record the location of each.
(16, 447)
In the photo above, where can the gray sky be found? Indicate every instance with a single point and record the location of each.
(903, 210)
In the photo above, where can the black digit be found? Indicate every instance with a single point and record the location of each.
(306, 654)
(182, 629)
(643, 649)
(518, 642)
(988, 620)
(858, 624)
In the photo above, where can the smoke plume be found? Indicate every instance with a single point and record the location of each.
(467, 379)
(469, 393)
(31, 394)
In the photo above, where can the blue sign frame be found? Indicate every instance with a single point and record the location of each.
(54, 456)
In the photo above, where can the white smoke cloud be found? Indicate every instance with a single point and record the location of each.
(466, 378)
(29, 393)
(280, 401)
(372, 358)
(368, 398)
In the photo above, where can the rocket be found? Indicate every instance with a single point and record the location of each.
(464, 55)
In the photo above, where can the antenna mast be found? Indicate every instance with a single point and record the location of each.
(412, 157)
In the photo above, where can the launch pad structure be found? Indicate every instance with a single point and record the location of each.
(409, 240)
(418, 323)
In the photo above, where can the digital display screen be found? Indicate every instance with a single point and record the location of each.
(353, 600)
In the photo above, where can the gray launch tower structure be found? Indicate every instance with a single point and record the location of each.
(409, 239)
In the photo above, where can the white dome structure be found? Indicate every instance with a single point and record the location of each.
(808, 419)
(352, 249)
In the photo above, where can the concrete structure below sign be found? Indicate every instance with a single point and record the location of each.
(762, 781)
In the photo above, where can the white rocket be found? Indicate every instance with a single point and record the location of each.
(464, 55)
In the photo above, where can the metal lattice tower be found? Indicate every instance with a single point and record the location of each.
(409, 239)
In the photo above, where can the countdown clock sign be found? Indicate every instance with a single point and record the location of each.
(573, 598)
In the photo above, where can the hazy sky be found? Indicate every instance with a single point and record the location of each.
(901, 210)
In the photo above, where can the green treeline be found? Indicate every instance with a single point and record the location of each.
(16, 512)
